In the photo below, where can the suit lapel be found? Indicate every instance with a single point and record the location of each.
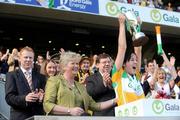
(99, 79)
(34, 80)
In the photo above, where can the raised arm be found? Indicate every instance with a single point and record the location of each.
(5, 55)
(154, 78)
(121, 42)
(169, 65)
(48, 57)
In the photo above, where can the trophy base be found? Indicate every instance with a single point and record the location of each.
(140, 39)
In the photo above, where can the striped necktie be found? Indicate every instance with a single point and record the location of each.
(29, 78)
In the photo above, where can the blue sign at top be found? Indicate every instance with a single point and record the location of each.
(91, 6)
(43, 3)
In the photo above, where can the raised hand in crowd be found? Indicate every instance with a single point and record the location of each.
(4, 57)
(48, 57)
(172, 60)
(61, 51)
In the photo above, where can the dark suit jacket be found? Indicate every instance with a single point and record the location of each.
(100, 93)
(16, 89)
(146, 87)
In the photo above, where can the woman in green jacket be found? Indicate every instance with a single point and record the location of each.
(65, 96)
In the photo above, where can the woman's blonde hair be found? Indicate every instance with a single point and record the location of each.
(15, 51)
(68, 56)
(160, 70)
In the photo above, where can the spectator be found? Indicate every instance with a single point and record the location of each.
(24, 88)
(150, 3)
(65, 96)
(40, 60)
(169, 7)
(94, 68)
(84, 70)
(146, 80)
(3, 62)
(158, 4)
(136, 2)
(39, 63)
(177, 81)
(164, 87)
(99, 84)
(13, 60)
(49, 68)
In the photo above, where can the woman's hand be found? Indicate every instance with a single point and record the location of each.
(76, 111)
(172, 60)
(122, 18)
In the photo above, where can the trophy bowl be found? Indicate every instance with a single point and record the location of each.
(140, 39)
(133, 26)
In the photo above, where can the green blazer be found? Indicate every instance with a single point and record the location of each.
(57, 92)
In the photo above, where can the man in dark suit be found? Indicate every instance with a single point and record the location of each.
(24, 88)
(99, 84)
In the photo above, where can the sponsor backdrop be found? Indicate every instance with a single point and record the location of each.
(107, 8)
(150, 107)
(150, 15)
(90, 6)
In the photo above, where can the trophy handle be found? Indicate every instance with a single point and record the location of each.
(128, 26)
(134, 27)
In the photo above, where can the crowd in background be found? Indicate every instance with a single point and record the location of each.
(97, 76)
(76, 85)
(170, 5)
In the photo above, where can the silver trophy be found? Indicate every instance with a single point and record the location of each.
(134, 27)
